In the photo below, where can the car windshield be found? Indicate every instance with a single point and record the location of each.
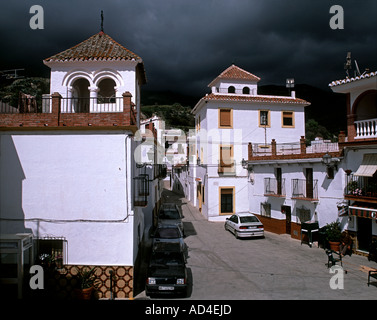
(167, 233)
(167, 259)
(249, 219)
(169, 214)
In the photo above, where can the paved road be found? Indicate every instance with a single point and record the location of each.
(276, 267)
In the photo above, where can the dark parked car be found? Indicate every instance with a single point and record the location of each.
(168, 233)
(167, 272)
(170, 213)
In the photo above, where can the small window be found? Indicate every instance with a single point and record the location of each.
(264, 118)
(231, 89)
(288, 120)
(225, 118)
(246, 90)
(226, 200)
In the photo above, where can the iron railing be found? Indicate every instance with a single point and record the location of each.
(227, 167)
(357, 186)
(91, 105)
(305, 189)
(274, 187)
(27, 105)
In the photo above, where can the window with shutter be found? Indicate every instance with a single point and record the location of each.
(225, 118)
(288, 119)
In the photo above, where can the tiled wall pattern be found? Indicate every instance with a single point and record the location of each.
(63, 284)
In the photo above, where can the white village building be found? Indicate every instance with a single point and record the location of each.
(68, 174)
(249, 155)
(360, 157)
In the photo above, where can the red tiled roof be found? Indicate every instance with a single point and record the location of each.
(234, 72)
(98, 47)
(247, 98)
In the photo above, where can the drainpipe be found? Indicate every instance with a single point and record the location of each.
(128, 174)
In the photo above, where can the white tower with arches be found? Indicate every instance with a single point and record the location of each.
(99, 69)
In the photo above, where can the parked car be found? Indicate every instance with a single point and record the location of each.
(170, 213)
(168, 233)
(244, 225)
(167, 273)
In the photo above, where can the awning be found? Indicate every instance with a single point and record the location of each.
(362, 211)
(369, 165)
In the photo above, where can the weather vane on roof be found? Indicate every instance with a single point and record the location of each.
(102, 20)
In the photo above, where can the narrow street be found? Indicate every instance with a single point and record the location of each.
(275, 267)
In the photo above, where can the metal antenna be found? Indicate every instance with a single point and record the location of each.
(347, 65)
(11, 74)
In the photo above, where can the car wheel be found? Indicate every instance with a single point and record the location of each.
(225, 227)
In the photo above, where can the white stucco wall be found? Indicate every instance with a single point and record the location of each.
(330, 191)
(70, 184)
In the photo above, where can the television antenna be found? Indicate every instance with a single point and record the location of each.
(348, 64)
(11, 74)
(357, 69)
(290, 84)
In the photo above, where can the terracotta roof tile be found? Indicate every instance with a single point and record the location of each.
(98, 47)
(247, 98)
(236, 73)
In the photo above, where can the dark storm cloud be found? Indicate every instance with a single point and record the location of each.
(185, 44)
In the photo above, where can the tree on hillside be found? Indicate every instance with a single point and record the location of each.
(313, 129)
(31, 86)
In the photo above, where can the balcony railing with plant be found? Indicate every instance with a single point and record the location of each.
(360, 187)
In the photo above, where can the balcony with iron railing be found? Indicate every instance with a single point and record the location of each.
(304, 189)
(293, 148)
(226, 168)
(360, 188)
(274, 187)
(141, 190)
(55, 110)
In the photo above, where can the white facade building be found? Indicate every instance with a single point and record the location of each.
(68, 175)
(360, 157)
(248, 154)
(227, 119)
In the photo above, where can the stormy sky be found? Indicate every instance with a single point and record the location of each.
(185, 44)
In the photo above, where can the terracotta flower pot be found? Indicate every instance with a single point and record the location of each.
(84, 294)
(334, 246)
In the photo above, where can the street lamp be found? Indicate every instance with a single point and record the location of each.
(326, 160)
(330, 165)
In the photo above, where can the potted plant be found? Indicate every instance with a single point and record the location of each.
(333, 235)
(87, 281)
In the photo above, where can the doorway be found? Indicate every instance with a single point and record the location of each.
(288, 217)
(364, 233)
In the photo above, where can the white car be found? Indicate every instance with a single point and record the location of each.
(244, 225)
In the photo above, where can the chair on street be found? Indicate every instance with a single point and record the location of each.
(333, 258)
(372, 274)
